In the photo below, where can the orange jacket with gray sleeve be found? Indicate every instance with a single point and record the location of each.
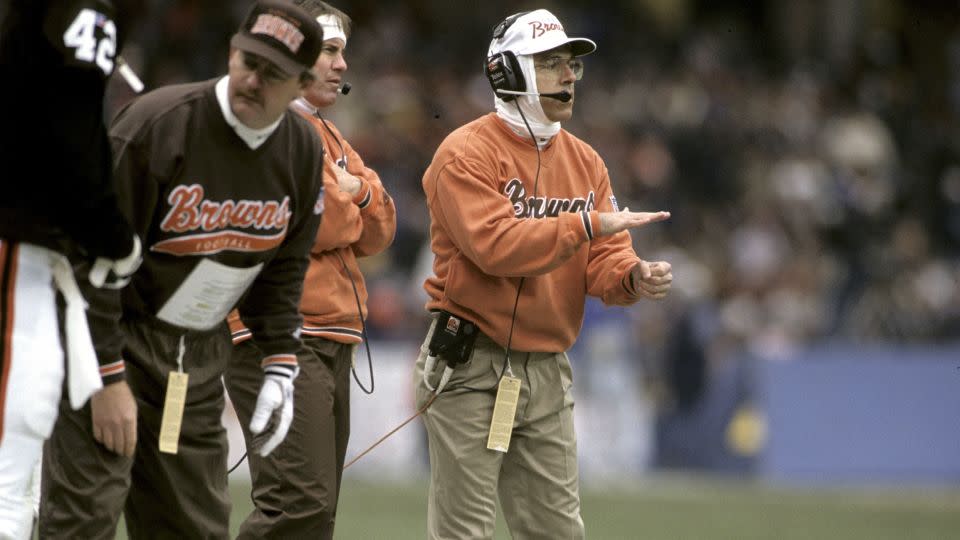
(490, 226)
(352, 227)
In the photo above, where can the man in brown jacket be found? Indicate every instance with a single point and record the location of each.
(204, 173)
(295, 489)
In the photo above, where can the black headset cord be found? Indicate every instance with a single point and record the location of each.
(356, 296)
(516, 301)
(513, 319)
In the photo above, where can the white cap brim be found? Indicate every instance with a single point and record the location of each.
(579, 46)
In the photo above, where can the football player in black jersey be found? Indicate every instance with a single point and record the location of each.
(57, 200)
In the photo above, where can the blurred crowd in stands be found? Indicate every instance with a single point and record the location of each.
(809, 152)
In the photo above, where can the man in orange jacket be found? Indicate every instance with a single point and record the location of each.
(295, 489)
(523, 226)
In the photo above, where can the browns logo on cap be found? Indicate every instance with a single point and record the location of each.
(282, 33)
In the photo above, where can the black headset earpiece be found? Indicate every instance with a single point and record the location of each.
(503, 72)
(503, 69)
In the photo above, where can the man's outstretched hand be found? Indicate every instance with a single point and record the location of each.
(614, 222)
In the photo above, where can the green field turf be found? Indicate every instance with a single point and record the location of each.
(681, 508)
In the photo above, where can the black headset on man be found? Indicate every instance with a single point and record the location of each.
(504, 72)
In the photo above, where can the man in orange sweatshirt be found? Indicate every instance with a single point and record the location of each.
(295, 489)
(524, 225)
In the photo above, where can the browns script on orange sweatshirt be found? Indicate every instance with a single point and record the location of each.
(491, 225)
(352, 227)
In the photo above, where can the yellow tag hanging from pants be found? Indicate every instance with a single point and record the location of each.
(173, 411)
(504, 410)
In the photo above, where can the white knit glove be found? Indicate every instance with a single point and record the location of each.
(274, 411)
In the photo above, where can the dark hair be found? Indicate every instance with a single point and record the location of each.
(317, 8)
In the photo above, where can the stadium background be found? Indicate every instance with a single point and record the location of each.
(805, 367)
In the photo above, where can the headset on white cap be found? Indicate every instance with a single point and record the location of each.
(534, 32)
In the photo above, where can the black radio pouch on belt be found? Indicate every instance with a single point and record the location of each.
(453, 339)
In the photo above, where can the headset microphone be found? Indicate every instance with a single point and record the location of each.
(562, 95)
(345, 89)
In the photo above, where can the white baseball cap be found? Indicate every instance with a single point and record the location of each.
(535, 32)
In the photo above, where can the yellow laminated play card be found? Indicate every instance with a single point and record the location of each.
(173, 411)
(504, 410)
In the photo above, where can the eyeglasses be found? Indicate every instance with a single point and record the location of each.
(555, 64)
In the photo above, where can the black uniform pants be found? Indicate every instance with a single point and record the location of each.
(85, 487)
(295, 488)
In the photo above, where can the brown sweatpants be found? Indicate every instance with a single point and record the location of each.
(85, 487)
(295, 488)
(536, 480)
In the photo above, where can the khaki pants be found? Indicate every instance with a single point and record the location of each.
(295, 488)
(536, 480)
(85, 487)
